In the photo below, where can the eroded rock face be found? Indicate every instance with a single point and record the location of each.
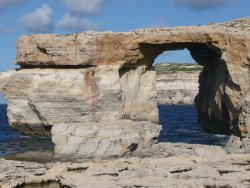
(92, 77)
(244, 118)
(133, 48)
(108, 139)
(39, 99)
(241, 144)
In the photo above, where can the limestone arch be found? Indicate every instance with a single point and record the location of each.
(126, 60)
(213, 80)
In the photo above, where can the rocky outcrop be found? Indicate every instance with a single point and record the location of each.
(244, 118)
(241, 143)
(95, 77)
(134, 48)
(187, 166)
(41, 98)
(103, 139)
(177, 83)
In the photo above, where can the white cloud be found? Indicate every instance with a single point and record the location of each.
(199, 5)
(39, 21)
(83, 7)
(75, 19)
(74, 23)
(4, 4)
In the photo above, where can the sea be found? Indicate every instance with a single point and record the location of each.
(179, 123)
(12, 142)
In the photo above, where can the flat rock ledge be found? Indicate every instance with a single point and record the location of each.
(173, 165)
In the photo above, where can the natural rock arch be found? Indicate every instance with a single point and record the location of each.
(99, 77)
(224, 116)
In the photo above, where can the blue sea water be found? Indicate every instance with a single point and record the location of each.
(11, 142)
(179, 125)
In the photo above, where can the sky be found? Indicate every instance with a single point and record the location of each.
(23, 17)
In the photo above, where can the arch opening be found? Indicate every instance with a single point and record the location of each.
(193, 89)
(175, 57)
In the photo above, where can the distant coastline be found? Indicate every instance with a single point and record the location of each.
(177, 83)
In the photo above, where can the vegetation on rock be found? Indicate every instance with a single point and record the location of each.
(163, 68)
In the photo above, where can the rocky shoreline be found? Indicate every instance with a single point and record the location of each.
(172, 165)
(95, 95)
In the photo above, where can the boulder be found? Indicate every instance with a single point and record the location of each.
(108, 139)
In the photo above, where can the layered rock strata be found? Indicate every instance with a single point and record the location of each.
(177, 83)
(120, 138)
(95, 77)
(41, 98)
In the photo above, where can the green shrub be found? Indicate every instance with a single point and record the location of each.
(176, 67)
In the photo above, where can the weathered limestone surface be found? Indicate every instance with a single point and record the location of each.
(244, 118)
(135, 47)
(108, 139)
(187, 166)
(241, 144)
(95, 77)
(39, 99)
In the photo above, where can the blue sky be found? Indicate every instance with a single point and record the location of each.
(22, 17)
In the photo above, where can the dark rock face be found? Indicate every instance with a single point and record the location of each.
(218, 99)
(212, 103)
